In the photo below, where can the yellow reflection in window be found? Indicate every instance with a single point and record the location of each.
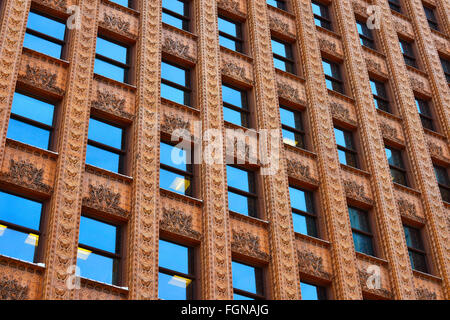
(32, 239)
(180, 183)
(83, 254)
(290, 141)
(2, 229)
(180, 282)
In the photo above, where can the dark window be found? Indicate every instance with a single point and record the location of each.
(283, 57)
(242, 194)
(105, 147)
(333, 76)
(31, 121)
(380, 97)
(20, 222)
(362, 234)
(125, 3)
(312, 292)
(99, 251)
(292, 127)
(176, 271)
(408, 53)
(175, 83)
(303, 213)
(346, 147)
(443, 182)
(280, 4)
(230, 34)
(425, 113)
(395, 5)
(111, 60)
(446, 67)
(176, 169)
(321, 15)
(365, 34)
(396, 165)
(235, 107)
(431, 17)
(247, 282)
(45, 34)
(416, 250)
(176, 13)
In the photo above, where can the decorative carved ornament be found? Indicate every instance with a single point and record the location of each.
(280, 25)
(10, 289)
(310, 263)
(388, 131)
(356, 191)
(104, 199)
(296, 168)
(373, 65)
(287, 91)
(341, 112)
(61, 4)
(176, 47)
(435, 149)
(233, 70)
(248, 244)
(407, 208)
(230, 5)
(173, 122)
(417, 84)
(116, 23)
(178, 222)
(41, 78)
(109, 102)
(25, 173)
(327, 45)
(425, 294)
(364, 276)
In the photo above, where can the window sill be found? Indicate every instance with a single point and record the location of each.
(354, 170)
(329, 32)
(372, 259)
(321, 242)
(305, 152)
(122, 8)
(281, 11)
(114, 82)
(90, 283)
(342, 96)
(7, 260)
(374, 51)
(238, 54)
(435, 134)
(109, 174)
(23, 146)
(406, 189)
(440, 33)
(400, 15)
(180, 106)
(181, 31)
(249, 219)
(291, 75)
(427, 276)
(181, 197)
(32, 52)
(389, 115)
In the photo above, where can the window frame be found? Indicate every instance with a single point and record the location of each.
(434, 22)
(306, 214)
(445, 61)
(296, 131)
(259, 283)
(364, 38)
(187, 90)
(245, 110)
(186, 18)
(406, 56)
(370, 234)
(353, 152)
(403, 170)
(426, 118)
(239, 40)
(321, 290)
(441, 185)
(281, 4)
(395, 4)
(421, 252)
(333, 78)
(125, 66)
(384, 100)
(252, 185)
(327, 20)
(289, 62)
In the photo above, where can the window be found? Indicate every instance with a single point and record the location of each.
(425, 113)
(365, 35)
(105, 147)
(408, 53)
(443, 182)
(175, 83)
(235, 106)
(280, 4)
(446, 67)
(31, 121)
(395, 5)
(333, 77)
(247, 282)
(176, 13)
(242, 195)
(346, 148)
(431, 17)
(230, 34)
(396, 165)
(99, 250)
(176, 171)
(321, 15)
(111, 60)
(125, 3)
(20, 224)
(361, 230)
(380, 97)
(44, 34)
(292, 127)
(416, 250)
(283, 57)
(312, 292)
(303, 213)
(176, 271)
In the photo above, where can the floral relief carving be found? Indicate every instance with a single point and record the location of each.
(435, 149)
(232, 69)
(174, 122)
(364, 277)
(310, 263)
(26, 173)
(356, 191)
(279, 24)
(104, 199)
(10, 289)
(248, 244)
(178, 222)
(61, 4)
(287, 91)
(296, 168)
(108, 101)
(341, 112)
(425, 294)
(177, 48)
(407, 208)
(374, 66)
(230, 5)
(117, 23)
(41, 78)
(388, 130)
(327, 45)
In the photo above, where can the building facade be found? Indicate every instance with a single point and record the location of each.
(94, 206)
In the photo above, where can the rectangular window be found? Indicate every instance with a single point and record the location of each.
(416, 250)
(380, 97)
(365, 34)
(98, 254)
(175, 83)
(292, 127)
(112, 60)
(346, 147)
(280, 4)
(312, 292)
(431, 17)
(333, 76)
(446, 67)
(247, 282)
(31, 121)
(45, 34)
(175, 169)
(230, 34)
(408, 53)
(106, 146)
(242, 194)
(20, 224)
(425, 113)
(235, 106)
(176, 271)
(443, 182)
(283, 57)
(395, 5)
(322, 16)
(176, 13)
(125, 3)
(361, 230)
(396, 165)
(303, 212)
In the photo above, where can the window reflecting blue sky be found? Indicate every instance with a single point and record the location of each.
(20, 211)
(98, 234)
(244, 277)
(309, 292)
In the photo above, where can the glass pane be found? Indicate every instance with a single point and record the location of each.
(304, 224)
(97, 234)
(399, 177)
(174, 182)
(279, 64)
(441, 175)
(228, 43)
(280, 49)
(174, 5)
(423, 107)
(41, 45)
(111, 50)
(173, 21)
(293, 139)
(95, 267)
(173, 287)
(173, 257)
(104, 133)
(363, 243)
(301, 200)
(240, 204)
(413, 238)
(359, 220)
(173, 156)
(20, 211)
(173, 94)
(238, 178)
(244, 277)
(320, 9)
(102, 158)
(31, 108)
(17, 244)
(109, 70)
(173, 74)
(228, 27)
(121, 2)
(309, 292)
(26, 133)
(394, 157)
(241, 297)
(233, 116)
(291, 118)
(418, 261)
(47, 26)
(232, 96)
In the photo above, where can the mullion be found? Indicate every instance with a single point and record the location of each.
(322, 18)
(368, 234)
(380, 98)
(176, 15)
(112, 61)
(20, 228)
(176, 170)
(236, 108)
(346, 149)
(176, 85)
(171, 272)
(31, 122)
(99, 252)
(242, 192)
(248, 294)
(106, 147)
(397, 168)
(295, 130)
(304, 213)
(284, 59)
(229, 36)
(45, 36)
